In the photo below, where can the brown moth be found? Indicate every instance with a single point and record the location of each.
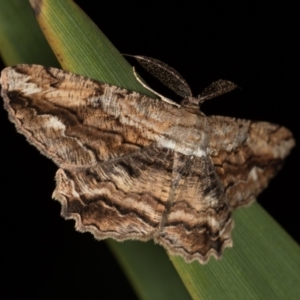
(133, 167)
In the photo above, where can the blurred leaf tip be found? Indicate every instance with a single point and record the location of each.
(36, 6)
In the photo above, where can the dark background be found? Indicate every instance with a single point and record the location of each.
(256, 47)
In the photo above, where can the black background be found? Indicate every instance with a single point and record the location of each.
(254, 46)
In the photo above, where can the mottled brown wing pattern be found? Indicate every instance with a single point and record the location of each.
(198, 223)
(132, 167)
(123, 199)
(77, 121)
(155, 193)
(246, 155)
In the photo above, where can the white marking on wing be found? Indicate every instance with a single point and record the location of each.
(253, 174)
(31, 88)
(183, 147)
(55, 123)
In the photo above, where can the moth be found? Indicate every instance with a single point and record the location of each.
(134, 167)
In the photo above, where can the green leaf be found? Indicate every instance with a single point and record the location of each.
(21, 40)
(149, 270)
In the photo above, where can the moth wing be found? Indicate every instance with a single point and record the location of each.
(246, 155)
(77, 121)
(242, 158)
(154, 193)
(121, 199)
(198, 223)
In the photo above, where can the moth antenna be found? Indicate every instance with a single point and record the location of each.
(163, 98)
(165, 74)
(215, 89)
